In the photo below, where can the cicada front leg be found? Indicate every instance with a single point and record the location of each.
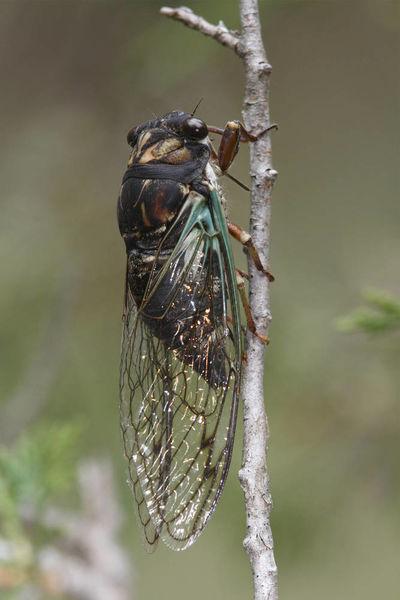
(232, 135)
(229, 144)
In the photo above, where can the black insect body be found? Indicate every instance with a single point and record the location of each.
(181, 347)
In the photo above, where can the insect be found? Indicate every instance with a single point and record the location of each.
(182, 342)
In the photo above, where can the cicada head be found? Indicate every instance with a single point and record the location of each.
(168, 139)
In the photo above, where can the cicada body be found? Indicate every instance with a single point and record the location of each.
(181, 346)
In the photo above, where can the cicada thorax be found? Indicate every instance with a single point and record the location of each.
(179, 301)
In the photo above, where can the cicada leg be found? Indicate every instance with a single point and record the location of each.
(247, 310)
(245, 239)
(233, 133)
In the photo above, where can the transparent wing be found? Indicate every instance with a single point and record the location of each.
(179, 384)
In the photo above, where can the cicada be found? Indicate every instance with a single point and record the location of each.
(182, 340)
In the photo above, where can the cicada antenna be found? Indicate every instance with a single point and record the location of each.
(237, 181)
(197, 106)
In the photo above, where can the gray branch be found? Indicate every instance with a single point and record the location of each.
(253, 475)
(219, 32)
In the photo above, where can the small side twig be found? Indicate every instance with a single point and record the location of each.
(219, 32)
(253, 475)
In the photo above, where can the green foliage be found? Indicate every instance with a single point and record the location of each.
(38, 468)
(381, 314)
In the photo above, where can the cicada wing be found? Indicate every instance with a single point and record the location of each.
(180, 373)
(131, 379)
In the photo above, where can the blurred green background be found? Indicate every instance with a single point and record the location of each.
(75, 76)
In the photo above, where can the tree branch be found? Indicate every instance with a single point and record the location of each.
(219, 32)
(253, 475)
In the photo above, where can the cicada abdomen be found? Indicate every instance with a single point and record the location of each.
(181, 347)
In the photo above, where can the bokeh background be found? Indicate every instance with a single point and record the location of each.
(75, 76)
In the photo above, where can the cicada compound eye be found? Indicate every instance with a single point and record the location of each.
(194, 129)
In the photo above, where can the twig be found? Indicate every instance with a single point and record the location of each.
(219, 32)
(253, 474)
